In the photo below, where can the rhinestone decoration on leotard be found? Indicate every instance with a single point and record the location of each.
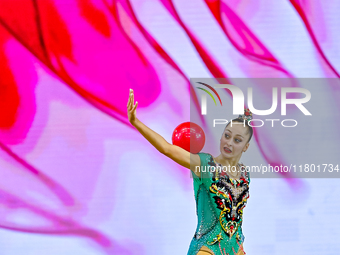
(213, 227)
(230, 197)
(206, 216)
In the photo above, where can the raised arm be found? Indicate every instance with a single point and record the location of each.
(176, 153)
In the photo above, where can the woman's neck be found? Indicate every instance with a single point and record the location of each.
(227, 161)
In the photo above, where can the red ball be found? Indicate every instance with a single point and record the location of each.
(186, 133)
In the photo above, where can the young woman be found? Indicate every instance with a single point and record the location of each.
(221, 184)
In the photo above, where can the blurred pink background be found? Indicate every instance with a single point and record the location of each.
(76, 177)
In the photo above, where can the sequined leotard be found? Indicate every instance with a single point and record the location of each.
(219, 207)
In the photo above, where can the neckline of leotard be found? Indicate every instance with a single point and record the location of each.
(238, 164)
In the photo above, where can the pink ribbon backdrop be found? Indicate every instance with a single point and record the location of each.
(76, 177)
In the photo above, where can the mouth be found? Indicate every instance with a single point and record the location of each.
(227, 150)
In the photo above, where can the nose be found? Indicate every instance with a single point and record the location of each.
(229, 144)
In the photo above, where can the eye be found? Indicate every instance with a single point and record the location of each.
(238, 141)
(226, 135)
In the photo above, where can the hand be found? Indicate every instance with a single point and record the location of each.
(131, 108)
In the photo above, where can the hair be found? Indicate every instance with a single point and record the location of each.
(250, 129)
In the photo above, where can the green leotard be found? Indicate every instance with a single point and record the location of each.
(219, 207)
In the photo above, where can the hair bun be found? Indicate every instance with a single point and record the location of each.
(248, 115)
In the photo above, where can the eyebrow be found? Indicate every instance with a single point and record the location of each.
(232, 132)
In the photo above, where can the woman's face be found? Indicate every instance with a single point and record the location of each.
(234, 140)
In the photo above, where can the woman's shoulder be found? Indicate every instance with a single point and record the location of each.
(245, 171)
(205, 155)
(206, 159)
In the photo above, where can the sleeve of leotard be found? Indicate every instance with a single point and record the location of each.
(203, 169)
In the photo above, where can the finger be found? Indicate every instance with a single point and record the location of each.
(134, 108)
(130, 92)
(133, 98)
(130, 101)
